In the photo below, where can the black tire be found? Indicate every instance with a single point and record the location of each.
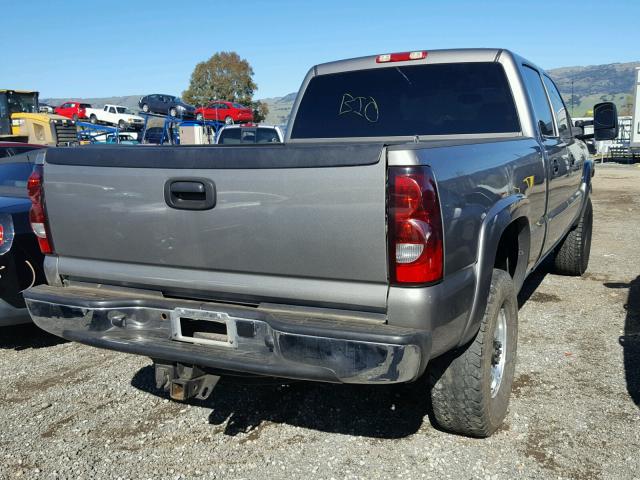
(228, 121)
(173, 112)
(462, 397)
(199, 117)
(572, 256)
(93, 119)
(122, 124)
(74, 117)
(145, 108)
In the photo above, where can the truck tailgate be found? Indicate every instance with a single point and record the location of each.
(294, 217)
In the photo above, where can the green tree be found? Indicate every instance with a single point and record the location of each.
(225, 76)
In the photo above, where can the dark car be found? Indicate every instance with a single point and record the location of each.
(20, 257)
(166, 105)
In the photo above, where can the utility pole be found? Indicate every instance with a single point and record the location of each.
(572, 97)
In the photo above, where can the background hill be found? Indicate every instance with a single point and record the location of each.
(129, 101)
(613, 82)
(591, 84)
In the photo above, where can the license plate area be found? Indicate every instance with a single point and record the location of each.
(203, 327)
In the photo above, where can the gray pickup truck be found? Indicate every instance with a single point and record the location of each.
(387, 237)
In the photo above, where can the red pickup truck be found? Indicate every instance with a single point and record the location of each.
(73, 110)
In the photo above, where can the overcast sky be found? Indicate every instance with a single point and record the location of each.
(92, 49)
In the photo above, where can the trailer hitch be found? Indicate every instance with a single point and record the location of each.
(184, 381)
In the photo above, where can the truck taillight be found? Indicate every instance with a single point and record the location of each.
(416, 252)
(37, 214)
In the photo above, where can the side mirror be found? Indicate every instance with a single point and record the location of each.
(605, 121)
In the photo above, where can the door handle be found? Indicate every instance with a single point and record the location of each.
(190, 193)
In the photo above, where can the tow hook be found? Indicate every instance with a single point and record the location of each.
(184, 382)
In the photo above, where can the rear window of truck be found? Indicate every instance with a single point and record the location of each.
(234, 136)
(438, 99)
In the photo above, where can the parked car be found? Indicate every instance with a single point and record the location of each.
(20, 257)
(229, 112)
(44, 108)
(166, 105)
(249, 133)
(125, 138)
(115, 115)
(73, 110)
(389, 235)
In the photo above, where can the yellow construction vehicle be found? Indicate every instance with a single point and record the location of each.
(20, 120)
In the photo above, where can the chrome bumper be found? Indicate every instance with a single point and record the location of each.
(262, 342)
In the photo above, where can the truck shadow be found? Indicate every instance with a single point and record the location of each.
(385, 412)
(533, 281)
(630, 341)
(244, 406)
(28, 335)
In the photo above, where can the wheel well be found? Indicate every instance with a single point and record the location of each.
(512, 254)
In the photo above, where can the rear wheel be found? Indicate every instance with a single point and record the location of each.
(93, 119)
(145, 108)
(572, 256)
(470, 388)
(173, 112)
(75, 117)
(122, 124)
(228, 120)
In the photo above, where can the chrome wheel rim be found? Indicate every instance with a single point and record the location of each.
(498, 354)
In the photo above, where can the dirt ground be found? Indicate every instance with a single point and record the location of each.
(71, 411)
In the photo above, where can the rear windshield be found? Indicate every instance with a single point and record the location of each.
(15, 169)
(85, 105)
(439, 99)
(230, 136)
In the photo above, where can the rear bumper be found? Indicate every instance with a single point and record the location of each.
(276, 343)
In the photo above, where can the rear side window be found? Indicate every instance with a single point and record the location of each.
(541, 109)
(439, 99)
(559, 108)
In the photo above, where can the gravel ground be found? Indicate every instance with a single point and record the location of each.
(71, 411)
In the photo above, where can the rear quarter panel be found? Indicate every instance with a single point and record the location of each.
(473, 179)
(480, 183)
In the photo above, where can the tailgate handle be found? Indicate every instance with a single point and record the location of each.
(190, 193)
